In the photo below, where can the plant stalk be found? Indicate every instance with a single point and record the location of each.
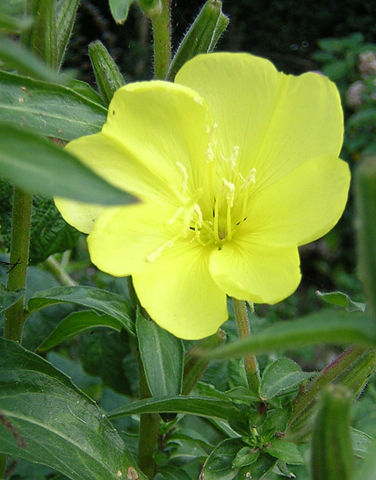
(326, 376)
(161, 23)
(3, 464)
(59, 273)
(19, 256)
(250, 361)
(149, 429)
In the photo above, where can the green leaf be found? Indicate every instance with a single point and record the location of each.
(361, 442)
(7, 299)
(100, 300)
(281, 376)
(49, 109)
(367, 469)
(219, 464)
(245, 456)
(286, 451)
(162, 356)
(119, 9)
(17, 57)
(85, 90)
(42, 37)
(12, 24)
(192, 405)
(46, 419)
(326, 326)
(39, 166)
(65, 17)
(342, 300)
(332, 455)
(76, 323)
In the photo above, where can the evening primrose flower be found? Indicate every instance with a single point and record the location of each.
(235, 164)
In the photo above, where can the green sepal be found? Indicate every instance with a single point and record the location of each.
(65, 17)
(43, 34)
(107, 73)
(202, 36)
(332, 454)
(365, 188)
(195, 365)
(119, 10)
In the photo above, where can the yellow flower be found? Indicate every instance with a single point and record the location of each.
(236, 165)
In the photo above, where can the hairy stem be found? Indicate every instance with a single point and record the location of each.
(250, 361)
(19, 256)
(161, 23)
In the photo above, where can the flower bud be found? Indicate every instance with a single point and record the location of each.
(107, 73)
(202, 36)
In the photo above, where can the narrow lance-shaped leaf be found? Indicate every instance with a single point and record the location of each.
(49, 109)
(162, 357)
(107, 73)
(327, 326)
(365, 183)
(13, 24)
(66, 11)
(43, 39)
(202, 36)
(44, 418)
(193, 405)
(76, 323)
(38, 166)
(97, 299)
(17, 57)
(332, 455)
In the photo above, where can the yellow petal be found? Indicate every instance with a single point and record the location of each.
(80, 215)
(179, 293)
(113, 161)
(300, 207)
(253, 272)
(124, 238)
(166, 127)
(278, 121)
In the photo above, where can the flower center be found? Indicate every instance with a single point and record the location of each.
(216, 210)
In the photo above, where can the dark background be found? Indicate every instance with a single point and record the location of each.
(284, 31)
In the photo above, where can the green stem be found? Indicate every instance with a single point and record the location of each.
(59, 273)
(149, 429)
(326, 376)
(250, 361)
(3, 464)
(161, 23)
(19, 255)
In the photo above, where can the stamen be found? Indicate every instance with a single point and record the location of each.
(250, 178)
(152, 257)
(230, 191)
(234, 156)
